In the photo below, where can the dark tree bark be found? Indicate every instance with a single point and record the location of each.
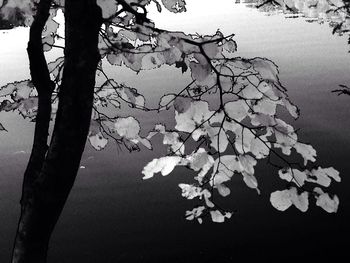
(45, 193)
(41, 79)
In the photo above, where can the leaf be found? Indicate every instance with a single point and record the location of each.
(172, 139)
(260, 147)
(218, 217)
(237, 110)
(55, 67)
(224, 168)
(282, 200)
(152, 61)
(145, 142)
(323, 176)
(200, 161)
(18, 90)
(211, 49)
(190, 191)
(326, 202)
(195, 213)
(266, 68)
(306, 151)
(164, 165)
(200, 70)
(97, 141)
(294, 175)
(207, 195)
(167, 101)
(251, 181)
(108, 7)
(127, 127)
(227, 165)
(250, 92)
(265, 106)
(292, 109)
(218, 138)
(131, 145)
(192, 117)
(223, 190)
(130, 95)
(285, 136)
(247, 164)
(18, 12)
(28, 107)
(301, 201)
(175, 6)
(230, 46)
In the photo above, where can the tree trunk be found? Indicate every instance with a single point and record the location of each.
(51, 188)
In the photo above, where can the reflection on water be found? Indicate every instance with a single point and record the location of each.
(113, 216)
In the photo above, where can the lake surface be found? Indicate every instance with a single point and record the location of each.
(114, 216)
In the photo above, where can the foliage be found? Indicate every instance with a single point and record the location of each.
(334, 12)
(226, 119)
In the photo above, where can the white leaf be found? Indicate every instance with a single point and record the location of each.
(285, 136)
(164, 165)
(218, 217)
(218, 139)
(188, 118)
(127, 127)
(206, 194)
(250, 92)
(230, 46)
(251, 181)
(306, 151)
(324, 175)
(260, 148)
(294, 175)
(326, 202)
(292, 109)
(195, 213)
(247, 164)
(223, 190)
(282, 200)
(301, 201)
(190, 191)
(237, 110)
(265, 106)
(224, 168)
(171, 138)
(200, 160)
(266, 68)
(97, 141)
(167, 101)
(145, 143)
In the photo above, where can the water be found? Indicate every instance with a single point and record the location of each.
(113, 216)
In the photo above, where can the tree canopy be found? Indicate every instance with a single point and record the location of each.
(226, 119)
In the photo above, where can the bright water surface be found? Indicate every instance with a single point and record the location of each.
(114, 216)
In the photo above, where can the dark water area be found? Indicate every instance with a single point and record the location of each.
(112, 215)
